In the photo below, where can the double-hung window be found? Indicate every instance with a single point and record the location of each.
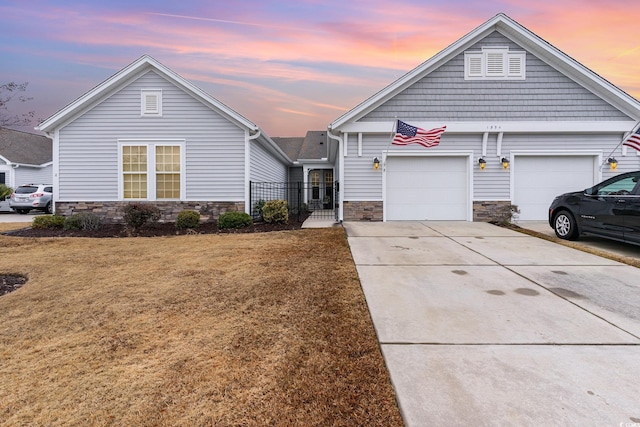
(134, 171)
(152, 170)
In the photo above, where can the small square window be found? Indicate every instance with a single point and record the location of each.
(151, 103)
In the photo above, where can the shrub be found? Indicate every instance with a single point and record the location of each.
(275, 212)
(5, 192)
(138, 214)
(48, 221)
(234, 220)
(188, 219)
(83, 221)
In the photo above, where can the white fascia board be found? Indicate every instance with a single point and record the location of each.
(315, 163)
(142, 64)
(506, 127)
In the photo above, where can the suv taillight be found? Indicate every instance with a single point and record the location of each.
(36, 195)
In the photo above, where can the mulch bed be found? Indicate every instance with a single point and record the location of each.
(156, 230)
(9, 283)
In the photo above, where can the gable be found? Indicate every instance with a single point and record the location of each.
(445, 95)
(121, 79)
(128, 108)
(569, 85)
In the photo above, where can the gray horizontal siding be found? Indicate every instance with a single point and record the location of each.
(265, 167)
(296, 174)
(362, 182)
(27, 175)
(494, 182)
(214, 146)
(546, 94)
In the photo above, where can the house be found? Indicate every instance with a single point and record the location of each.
(25, 158)
(540, 124)
(147, 134)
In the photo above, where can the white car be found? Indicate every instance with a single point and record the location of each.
(32, 196)
(4, 206)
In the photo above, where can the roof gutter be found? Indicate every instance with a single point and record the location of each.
(270, 144)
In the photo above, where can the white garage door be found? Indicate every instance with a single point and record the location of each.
(539, 179)
(427, 188)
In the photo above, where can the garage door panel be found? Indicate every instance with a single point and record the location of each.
(421, 188)
(539, 179)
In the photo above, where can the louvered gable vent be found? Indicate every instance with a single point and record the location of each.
(494, 63)
(151, 101)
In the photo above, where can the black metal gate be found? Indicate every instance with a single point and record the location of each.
(303, 198)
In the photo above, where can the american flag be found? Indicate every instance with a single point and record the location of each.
(633, 140)
(407, 134)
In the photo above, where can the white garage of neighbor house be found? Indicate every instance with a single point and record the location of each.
(146, 134)
(502, 92)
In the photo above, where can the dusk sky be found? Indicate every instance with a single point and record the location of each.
(288, 66)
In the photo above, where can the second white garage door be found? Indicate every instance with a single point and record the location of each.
(539, 179)
(427, 188)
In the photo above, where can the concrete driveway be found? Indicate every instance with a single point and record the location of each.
(481, 325)
(14, 217)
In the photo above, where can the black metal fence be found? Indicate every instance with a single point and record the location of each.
(303, 198)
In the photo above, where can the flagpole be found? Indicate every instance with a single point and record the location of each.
(393, 133)
(624, 138)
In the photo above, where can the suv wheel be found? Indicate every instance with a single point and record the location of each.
(565, 226)
(48, 209)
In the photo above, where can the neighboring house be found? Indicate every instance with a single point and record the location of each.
(147, 134)
(502, 92)
(25, 158)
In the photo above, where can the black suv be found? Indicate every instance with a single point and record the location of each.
(610, 209)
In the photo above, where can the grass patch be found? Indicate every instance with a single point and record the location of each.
(243, 329)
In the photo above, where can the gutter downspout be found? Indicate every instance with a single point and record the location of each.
(340, 173)
(247, 168)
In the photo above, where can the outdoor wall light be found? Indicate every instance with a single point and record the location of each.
(482, 163)
(376, 163)
(505, 163)
(613, 163)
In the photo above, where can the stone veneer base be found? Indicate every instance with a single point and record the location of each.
(112, 212)
(484, 211)
(362, 211)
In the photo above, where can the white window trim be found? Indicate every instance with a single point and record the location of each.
(477, 64)
(151, 145)
(144, 111)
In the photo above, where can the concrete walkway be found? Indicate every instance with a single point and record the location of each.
(480, 325)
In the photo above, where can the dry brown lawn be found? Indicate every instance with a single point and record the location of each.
(229, 330)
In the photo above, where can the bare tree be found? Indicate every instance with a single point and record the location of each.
(13, 91)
